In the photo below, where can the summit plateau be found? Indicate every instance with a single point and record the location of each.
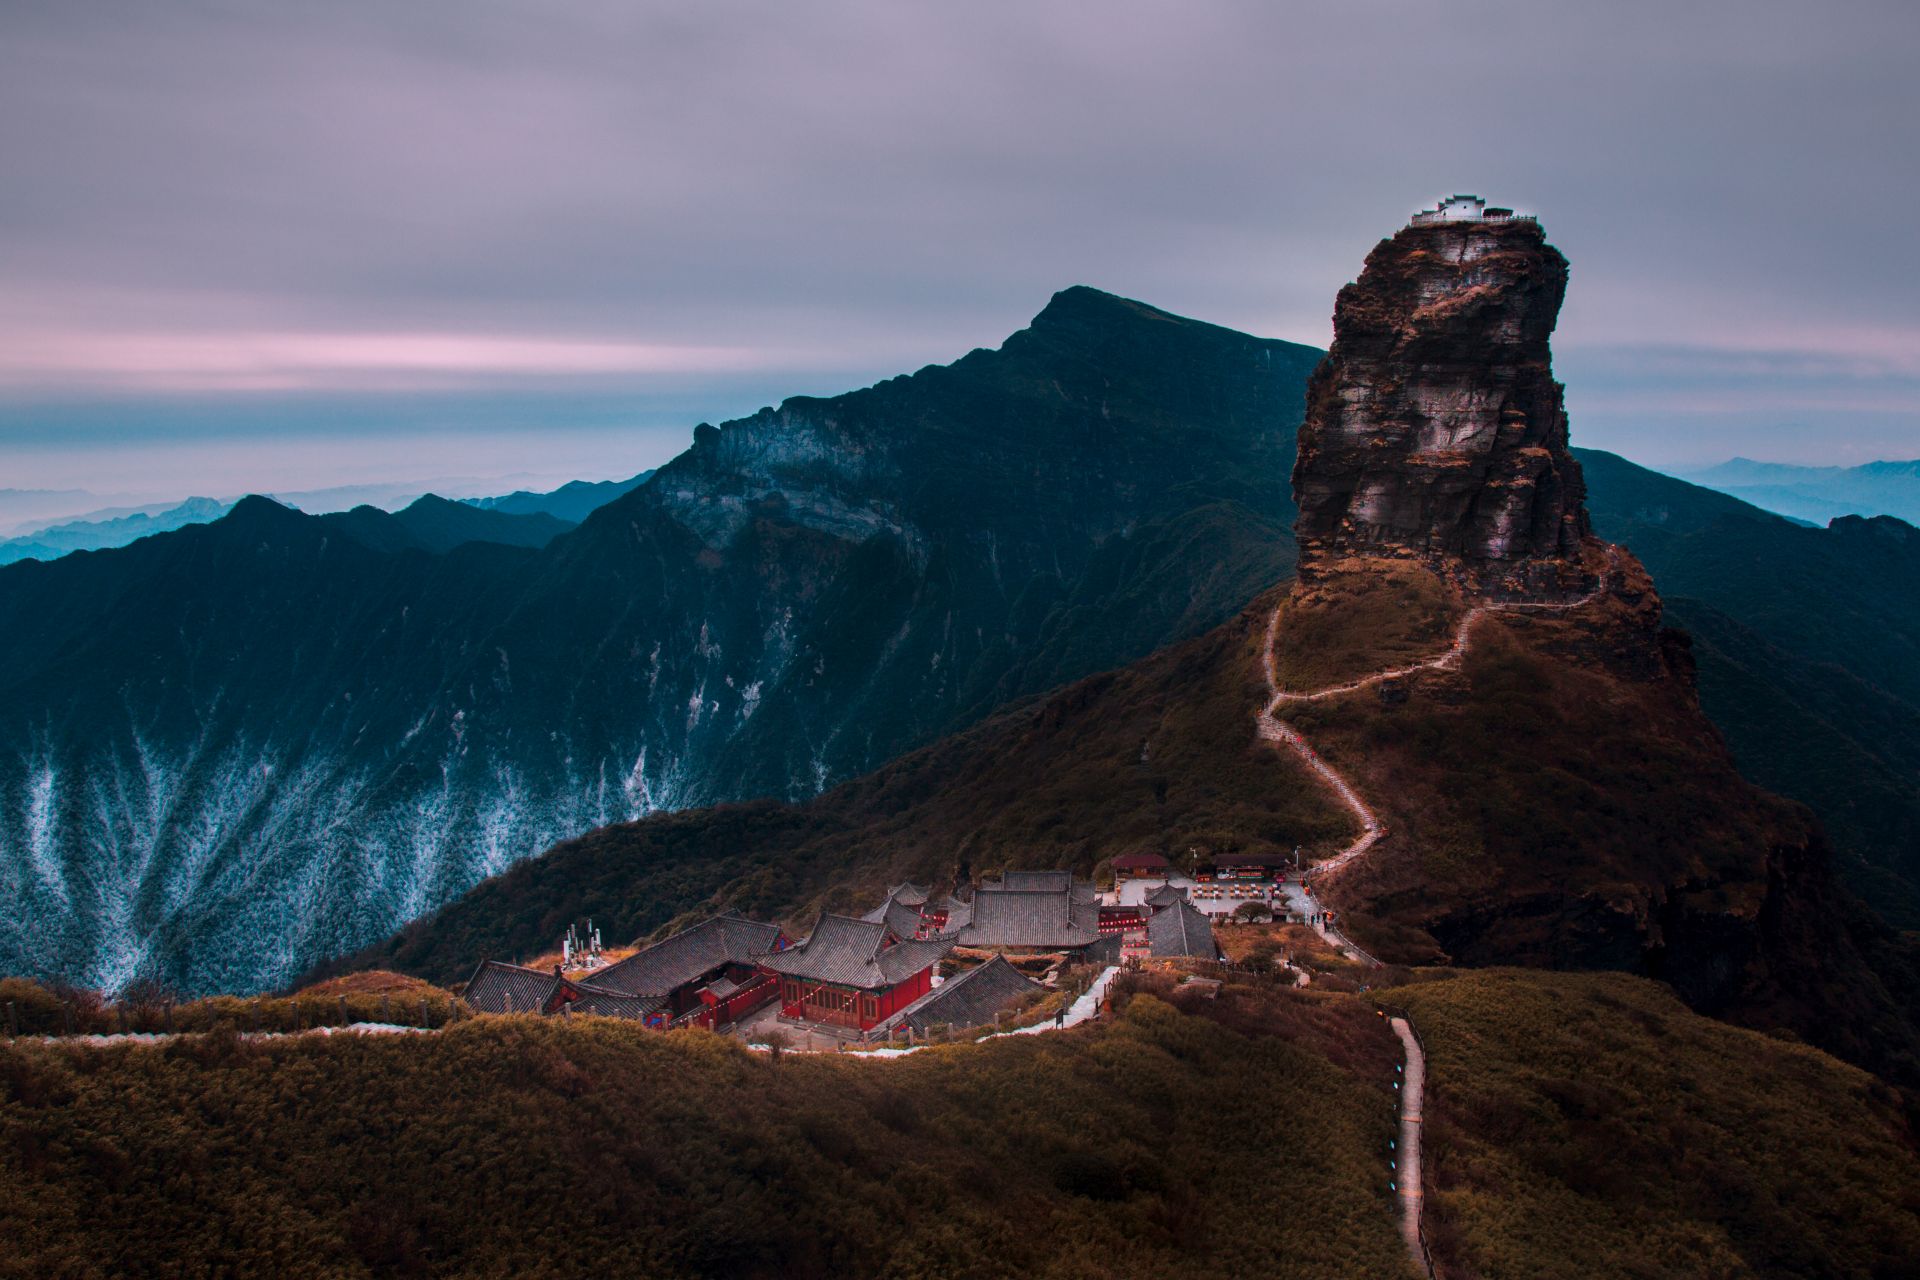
(1434, 428)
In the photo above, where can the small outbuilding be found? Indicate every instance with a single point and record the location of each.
(1181, 931)
(971, 999)
(1141, 866)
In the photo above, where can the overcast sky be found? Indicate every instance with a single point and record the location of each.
(275, 246)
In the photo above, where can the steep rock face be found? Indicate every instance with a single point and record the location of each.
(1434, 428)
(229, 752)
(1554, 795)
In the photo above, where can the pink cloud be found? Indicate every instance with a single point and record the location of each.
(293, 361)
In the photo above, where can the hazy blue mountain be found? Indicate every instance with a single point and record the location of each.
(431, 527)
(24, 510)
(572, 502)
(114, 531)
(233, 750)
(1819, 494)
(435, 524)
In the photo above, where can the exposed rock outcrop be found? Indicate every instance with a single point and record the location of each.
(1434, 427)
(1556, 797)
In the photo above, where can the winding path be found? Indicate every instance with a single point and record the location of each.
(1412, 1099)
(1273, 729)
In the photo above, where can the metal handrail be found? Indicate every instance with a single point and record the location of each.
(1420, 1226)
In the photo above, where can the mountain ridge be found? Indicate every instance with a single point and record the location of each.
(312, 741)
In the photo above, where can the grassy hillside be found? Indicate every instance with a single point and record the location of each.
(1559, 802)
(1578, 1125)
(1250, 1141)
(1157, 756)
(1586, 1125)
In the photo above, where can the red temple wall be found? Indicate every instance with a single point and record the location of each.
(868, 1008)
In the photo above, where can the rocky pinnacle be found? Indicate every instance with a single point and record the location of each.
(1434, 427)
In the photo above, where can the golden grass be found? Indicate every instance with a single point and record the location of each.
(536, 1148)
(1585, 1125)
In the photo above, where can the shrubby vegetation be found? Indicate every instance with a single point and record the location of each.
(1584, 1125)
(1244, 1136)
(362, 997)
(1160, 756)
(1560, 802)
(1578, 1125)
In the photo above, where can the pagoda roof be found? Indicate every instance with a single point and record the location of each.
(599, 1002)
(498, 987)
(1181, 930)
(714, 942)
(901, 917)
(1004, 917)
(1165, 896)
(854, 953)
(1044, 882)
(913, 895)
(971, 998)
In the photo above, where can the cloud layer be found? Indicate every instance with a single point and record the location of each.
(679, 204)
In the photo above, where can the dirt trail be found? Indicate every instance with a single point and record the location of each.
(1273, 729)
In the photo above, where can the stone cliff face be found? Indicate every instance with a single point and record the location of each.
(1434, 427)
(1556, 797)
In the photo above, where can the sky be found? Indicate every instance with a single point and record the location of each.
(269, 246)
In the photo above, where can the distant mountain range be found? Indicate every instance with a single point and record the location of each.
(1818, 494)
(572, 502)
(113, 531)
(24, 510)
(428, 527)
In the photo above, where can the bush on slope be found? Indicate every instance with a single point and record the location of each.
(1160, 1144)
(1584, 1125)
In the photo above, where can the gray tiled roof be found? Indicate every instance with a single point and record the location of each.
(913, 895)
(1165, 896)
(512, 988)
(853, 953)
(658, 969)
(509, 988)
(1026, 918)
(599, 1002)
(1108, 950)
(1046, 882)
(1180, 930)
(899, 916)
(958, 913)
(970, 999)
